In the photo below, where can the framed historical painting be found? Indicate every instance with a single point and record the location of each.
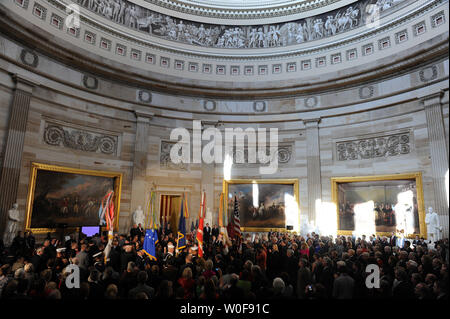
(263, 205)
(380, 204)
(69, 196)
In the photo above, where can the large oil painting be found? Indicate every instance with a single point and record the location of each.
(70, 197)
(263, 204)
(380, 204)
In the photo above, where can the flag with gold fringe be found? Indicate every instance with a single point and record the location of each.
(181, 239)
(200, 226)
(152, 222)
(223, 220)
(151, 238)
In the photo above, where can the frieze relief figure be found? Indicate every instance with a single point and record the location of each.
(263, 36)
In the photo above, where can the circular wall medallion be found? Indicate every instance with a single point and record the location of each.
(144, 96)
(311, 101)
(209, 105)
(284, 155)
(29, 58)
(259, 106)
(428, 73)
(366, 92)
(90, 82)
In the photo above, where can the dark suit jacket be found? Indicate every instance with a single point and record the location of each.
(206, 233)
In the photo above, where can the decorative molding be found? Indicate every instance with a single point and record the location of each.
(375, 147)
(366, 92)
(311, 102)
(283, 154)
(90, 82)
(260, 106)
(282, 34)
(394, 23)
(144, 96)
(428, 74)
(242, 12)
(164, 158)
(80, 139)
(22, 3)
(209, 105)
(29, 58)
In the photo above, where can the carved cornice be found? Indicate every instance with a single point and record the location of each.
(242, 12)
(23, 83)
(289, 33)
(143, 116)
(432, 99)
(295, 52)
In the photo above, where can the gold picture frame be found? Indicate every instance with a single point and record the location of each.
(36, 167)
(292, 181)
(417, 176)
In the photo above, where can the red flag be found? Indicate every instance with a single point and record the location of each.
(200, 226)
(200, 238)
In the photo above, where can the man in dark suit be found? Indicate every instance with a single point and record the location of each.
(393, 239)
(206, 233)
(215, 231)
(141, 231)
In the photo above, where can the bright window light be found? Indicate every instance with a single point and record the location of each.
(404, 212)
(364, 219)
(227, 164)
(255, 195)
(326, 218)
(291, 212)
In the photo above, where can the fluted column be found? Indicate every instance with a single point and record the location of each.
(439, 156)
(139, 185)
(9, 178)
(313, 166)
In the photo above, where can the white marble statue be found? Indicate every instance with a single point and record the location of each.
(12, 225)
(139, 217)
(433, 226)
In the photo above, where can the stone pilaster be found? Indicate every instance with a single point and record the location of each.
(139, 187)
(439, 156)
(313, 166)
(9, 178)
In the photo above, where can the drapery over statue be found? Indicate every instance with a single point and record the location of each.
(433, 225)
(12, 225)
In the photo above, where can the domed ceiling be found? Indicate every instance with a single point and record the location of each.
(271, 49)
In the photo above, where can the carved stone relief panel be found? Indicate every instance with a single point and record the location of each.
(374, 147)
(164, 158)
(80, 139)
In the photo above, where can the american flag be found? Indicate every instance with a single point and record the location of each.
(236, 220)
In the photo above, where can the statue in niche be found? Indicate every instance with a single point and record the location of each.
(12, 225)
(139, 217)
(433, 225)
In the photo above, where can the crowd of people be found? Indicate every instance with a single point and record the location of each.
(272, 265)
